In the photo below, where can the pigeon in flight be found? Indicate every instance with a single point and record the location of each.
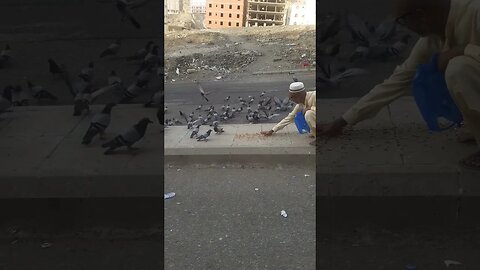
(330, 27)
(202, 92)
(125, 11)
(112, 49)
(54, 68)
(99, 124)
(204, 137)
(282, 105)
(129, 137)
(5, 56)
(141, 53)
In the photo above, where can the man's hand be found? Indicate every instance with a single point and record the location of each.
(332, 129)
(445, 57)
(267, 133)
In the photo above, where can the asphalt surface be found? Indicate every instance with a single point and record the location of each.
(217, 220)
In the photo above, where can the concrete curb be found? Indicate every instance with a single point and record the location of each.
(283, 71)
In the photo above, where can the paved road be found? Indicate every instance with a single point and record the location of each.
(219, 221)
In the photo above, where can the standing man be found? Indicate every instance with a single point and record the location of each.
(306, 101)
(450, 28)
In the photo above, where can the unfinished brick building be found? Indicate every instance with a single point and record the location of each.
(225, 13)
(266, 12)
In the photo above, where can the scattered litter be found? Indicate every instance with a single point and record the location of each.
(220, 238)
(307, 175)
(218, 77)
(173, 80)
(450, 262)
(256, 189)
(191, 70)
(304, 55)
(179, 170)
(46, 245)
(283, 213)
(168, 195)
(177, 71)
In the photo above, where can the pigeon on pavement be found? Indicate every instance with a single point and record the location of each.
(129, 137)
(204, 137)
(99, 124)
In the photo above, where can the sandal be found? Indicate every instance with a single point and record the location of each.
(471, 162)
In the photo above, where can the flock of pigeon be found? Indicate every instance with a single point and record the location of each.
(85, 93)
(255, 110)
(371, 43)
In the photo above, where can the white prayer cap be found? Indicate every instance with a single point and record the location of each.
(296, 87)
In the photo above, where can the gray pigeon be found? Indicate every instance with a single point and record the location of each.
(195, 132)
(204, 137)
(129, 137)
(112, 49)
(141, 53)
(99, 124)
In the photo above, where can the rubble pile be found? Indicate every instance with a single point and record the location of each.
(221, 63)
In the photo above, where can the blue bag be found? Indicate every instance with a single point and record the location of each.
(301, 124)
(432, 97)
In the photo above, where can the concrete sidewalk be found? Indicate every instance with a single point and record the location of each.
(242, 140)
(392, 155)
(42, 156)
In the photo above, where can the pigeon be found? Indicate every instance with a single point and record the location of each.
(218, 130)
(129, 137)
(112, 49)
(199, 108)
(114, 79)
(5, 56)
(398, 47)
(98, 124)
(20, 97)
(204, 137)
(332, 79)
(6, 99)
(141, 53)
(39, 92)
(146, 75)
(263, 93)
(282, 105)
(53, 67)
(202, 92)
(156, 100)
(87, 73)
(329, 28)
(123, 8)
(195, 131)
(81, 103)
(132, 91)
(183, 115)
(150, 60)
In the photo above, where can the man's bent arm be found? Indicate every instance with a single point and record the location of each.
(396, 86)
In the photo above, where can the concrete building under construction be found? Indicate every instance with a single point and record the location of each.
(266, 12)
